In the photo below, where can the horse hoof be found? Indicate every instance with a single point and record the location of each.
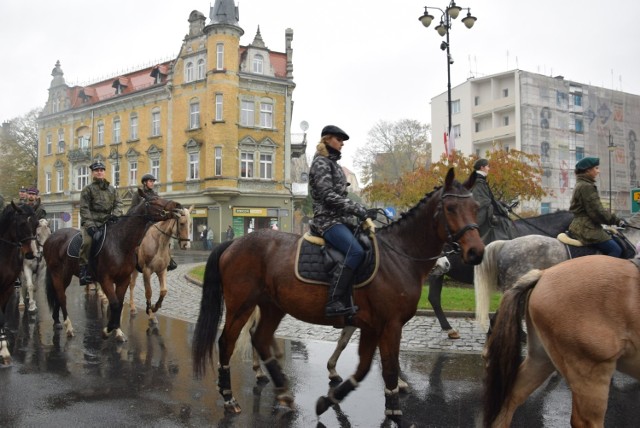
(262, 379)
(33, 310)
(453, 334)
(335, 380)
(5, 362)
(232, 407)
(322, 405)
(57, 326)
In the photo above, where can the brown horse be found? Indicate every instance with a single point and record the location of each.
(18, 224)
(583, 320)
(258, 270)
(154, 254)
(111, 267)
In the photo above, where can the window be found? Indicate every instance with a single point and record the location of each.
(218, 161)
(577, 99)
(100, 133)
(133, 173)
(188, 72)
(505, 93)
(155, 169)
(194, 166)
(48, 145)
(82, 177)
(579, 126)
(258, 62)
(219, 107)
(60, 180)
(266, 115)
(115, 174)
(456, 131)
(246, 165)
(266, 166)
(155, 123)
(194, 115)
(505, 120)
(477, 126)
(476, 101)
(579, 153)
(455, 106)
(83, 141)
(116, 130)
(200, 69)
(60, 134)
(220, 56)
(47, 182)
(133, 126)
(246, 113)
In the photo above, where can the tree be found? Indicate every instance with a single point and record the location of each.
(393, 149)
(19, 153)
(514, 175)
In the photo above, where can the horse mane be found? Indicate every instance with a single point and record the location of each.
(8, 215)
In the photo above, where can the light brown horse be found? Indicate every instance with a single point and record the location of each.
(258, 270)
(154, 254)
(111, 267)
(33, 269)
(583, 320)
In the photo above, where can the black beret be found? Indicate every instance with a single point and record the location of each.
(334, 130)
(480, 163)
(586, 163)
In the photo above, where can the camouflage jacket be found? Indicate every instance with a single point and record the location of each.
(98, 201)
(328, 187)
(135, 200)
(589, 214)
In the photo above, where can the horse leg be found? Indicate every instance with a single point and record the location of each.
(435, 299)
(590, 393)
(60, 304)
(162, 279)
(30, 290)
(148, 293)
(366, 350)
(5, 356)
(343, 341)
(132, 284)
(116, 300)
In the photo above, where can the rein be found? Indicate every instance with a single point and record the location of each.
(179, 239)
(524, 220)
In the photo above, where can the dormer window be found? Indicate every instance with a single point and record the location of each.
(258, 64)
(159, 73)
(120, 84)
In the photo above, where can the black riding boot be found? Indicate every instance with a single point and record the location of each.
(172, 264)
(85, 278)
(339, 293)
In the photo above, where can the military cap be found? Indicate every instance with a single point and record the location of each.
(334, 130)
(23, 189)
(480, 163)
(586, 163)
(97, 165)
(33, 191)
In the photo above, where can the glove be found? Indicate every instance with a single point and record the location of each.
(91, 231)
(361, 214)
(623, 223)
(372, 213)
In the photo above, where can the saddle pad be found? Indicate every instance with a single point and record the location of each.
(310, 267)
(73, 250)
(580, 251)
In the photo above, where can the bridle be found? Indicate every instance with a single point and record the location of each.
(176, 237)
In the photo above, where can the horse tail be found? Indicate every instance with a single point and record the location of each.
(52, 299)
(244, 347)
(210, 312)
(503, 351)
(485, 279)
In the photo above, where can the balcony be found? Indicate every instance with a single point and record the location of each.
(79, 155)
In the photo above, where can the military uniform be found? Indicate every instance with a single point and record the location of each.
(136, 199)
(493, 218)
(588, 213)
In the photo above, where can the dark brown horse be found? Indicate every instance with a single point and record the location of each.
(111, 268)
(18, 224)
(583, 321)
(258, 270)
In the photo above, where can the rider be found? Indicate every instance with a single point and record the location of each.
(333, 214)
(589, 214)
(493, 217)
(22, 195)
(99, 203)
(148, 181)
(32, 198)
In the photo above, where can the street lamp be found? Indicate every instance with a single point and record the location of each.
(451, 12)
(612, 147)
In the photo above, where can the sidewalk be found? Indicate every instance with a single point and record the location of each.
(421, 333)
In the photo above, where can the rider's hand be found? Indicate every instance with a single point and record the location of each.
(623, 223)
(362, 214)
(91, 230)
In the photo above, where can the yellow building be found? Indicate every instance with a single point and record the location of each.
(213, 126)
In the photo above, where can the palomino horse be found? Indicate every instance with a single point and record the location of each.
(17, 227)
(154, 254)
(258, 270)
(111, 267)
(583, 320)
(506, 261)
(545, 224)
(32, 268)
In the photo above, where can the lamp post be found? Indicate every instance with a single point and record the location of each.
(612, 147)
(450, 12)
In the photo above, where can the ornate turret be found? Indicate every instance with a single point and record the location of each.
(58, 76)
(224, 12)
(196, 23)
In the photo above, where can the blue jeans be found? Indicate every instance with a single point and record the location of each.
(341, 238)
(609, 248)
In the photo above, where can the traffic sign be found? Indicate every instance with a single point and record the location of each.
(635, 200)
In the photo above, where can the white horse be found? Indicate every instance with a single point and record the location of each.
(32, 268)
(154, 256)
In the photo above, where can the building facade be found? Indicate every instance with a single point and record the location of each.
(560, 120)
(213, 125)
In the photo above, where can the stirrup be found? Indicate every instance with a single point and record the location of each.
(172, 265)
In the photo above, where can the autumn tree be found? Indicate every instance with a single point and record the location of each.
(392, 150)
(19, 154)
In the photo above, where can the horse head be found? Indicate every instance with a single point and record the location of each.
(458, 210)
(19, 225)
(184, 228)
(42, 234)
(160, 209)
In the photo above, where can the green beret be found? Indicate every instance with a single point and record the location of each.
(586, 163)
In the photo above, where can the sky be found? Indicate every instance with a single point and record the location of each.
(355, 62)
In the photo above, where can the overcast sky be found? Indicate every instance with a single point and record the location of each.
(355, 61)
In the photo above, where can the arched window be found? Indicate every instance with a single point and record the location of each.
(201, 69)
(188, 72)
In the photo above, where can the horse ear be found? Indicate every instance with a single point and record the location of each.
(191, 208)
(448, 181)
(468, 184)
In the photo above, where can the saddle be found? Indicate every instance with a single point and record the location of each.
(578, 249)
(316, 260)
(73, 249)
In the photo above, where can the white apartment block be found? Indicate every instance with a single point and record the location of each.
(560, 120)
